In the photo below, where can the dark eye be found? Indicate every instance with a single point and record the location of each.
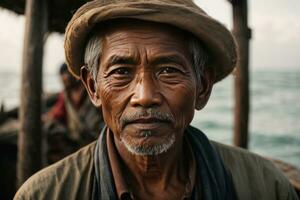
(121, 71)
(169, 70)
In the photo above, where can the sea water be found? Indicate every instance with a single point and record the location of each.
(274, 113)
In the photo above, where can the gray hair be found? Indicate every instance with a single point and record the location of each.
(200, 58)
(93, 51)
(92, 54)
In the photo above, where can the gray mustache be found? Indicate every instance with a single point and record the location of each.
(146, 113)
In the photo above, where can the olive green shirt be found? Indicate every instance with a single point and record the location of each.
(72, 178)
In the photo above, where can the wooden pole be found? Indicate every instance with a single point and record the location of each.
(243, 35)
(30, 135)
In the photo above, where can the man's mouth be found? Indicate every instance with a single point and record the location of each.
(146, 123)
(146, 119)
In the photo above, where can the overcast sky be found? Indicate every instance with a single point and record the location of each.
(275, 42)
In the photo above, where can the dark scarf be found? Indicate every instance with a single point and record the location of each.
(215, 181)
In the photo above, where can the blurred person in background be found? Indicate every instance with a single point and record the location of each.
(73, 119)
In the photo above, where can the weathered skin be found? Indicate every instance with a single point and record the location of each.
(148, 66)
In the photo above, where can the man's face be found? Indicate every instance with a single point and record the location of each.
(146, 85)
(68, 80)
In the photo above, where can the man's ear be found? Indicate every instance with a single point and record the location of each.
(90, 85)
(204, 90)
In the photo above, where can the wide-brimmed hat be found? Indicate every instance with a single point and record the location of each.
(183, 14)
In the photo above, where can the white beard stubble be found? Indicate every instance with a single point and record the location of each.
(148, 150)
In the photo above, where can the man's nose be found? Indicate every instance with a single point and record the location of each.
(146, 92)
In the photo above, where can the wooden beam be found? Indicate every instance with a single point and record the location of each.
(30, 135)
(242, 102)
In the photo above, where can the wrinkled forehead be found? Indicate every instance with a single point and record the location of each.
(127, 36)
(130, 26)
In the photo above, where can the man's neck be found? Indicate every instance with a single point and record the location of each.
(164, 174)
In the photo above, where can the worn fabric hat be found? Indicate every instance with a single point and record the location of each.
(183, 14)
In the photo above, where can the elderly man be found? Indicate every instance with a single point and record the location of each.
(149, 65)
